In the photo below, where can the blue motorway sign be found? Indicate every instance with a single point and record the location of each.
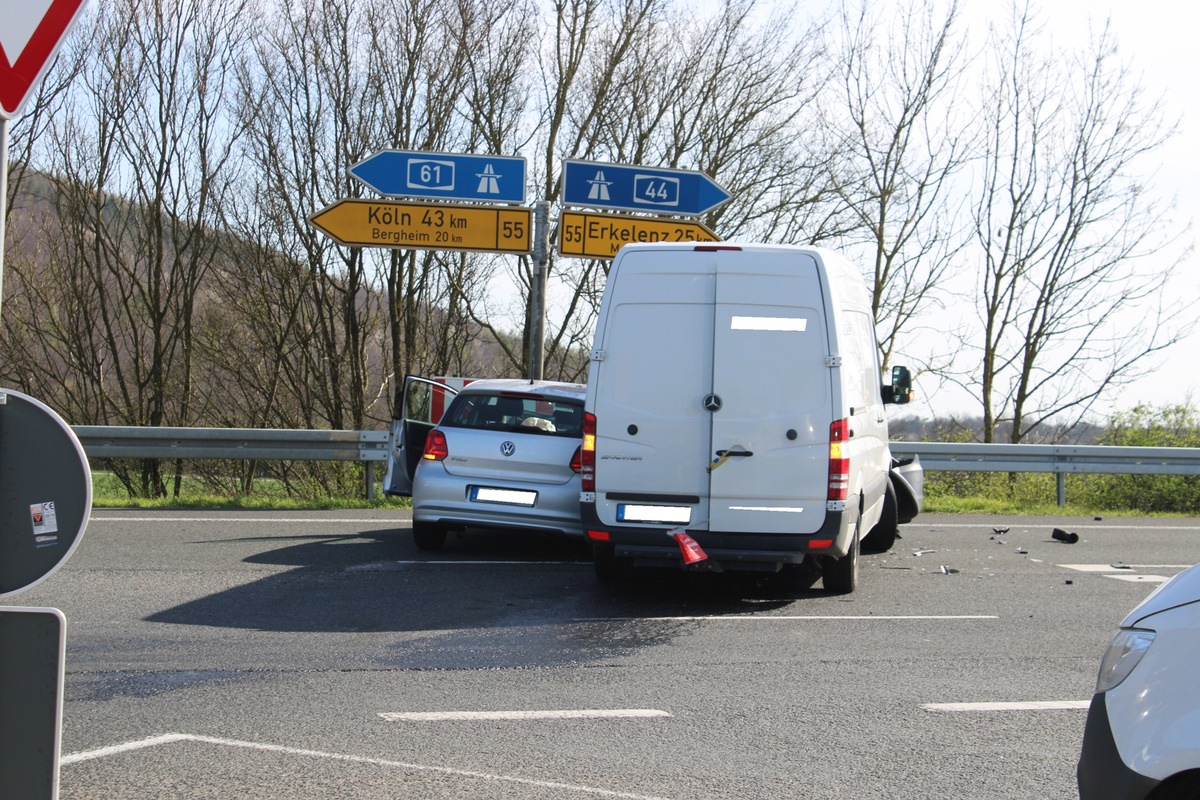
(444, 176)
(595, 184)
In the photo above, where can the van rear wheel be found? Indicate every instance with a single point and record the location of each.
(883, 535)
(840, 575)
(610, 568)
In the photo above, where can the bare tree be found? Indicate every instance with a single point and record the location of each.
(1075, 252)
(903, 138)
(138, 155)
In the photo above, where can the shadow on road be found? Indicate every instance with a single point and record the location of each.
(487, 599)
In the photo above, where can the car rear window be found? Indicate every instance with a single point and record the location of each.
(516, 414)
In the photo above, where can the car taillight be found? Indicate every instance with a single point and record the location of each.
(839, 465)
(435, 446)
(587, 453)
(577, 460)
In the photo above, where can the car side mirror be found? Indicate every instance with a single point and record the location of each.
(901, 391)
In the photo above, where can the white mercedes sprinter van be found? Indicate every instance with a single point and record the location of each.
(734, 397)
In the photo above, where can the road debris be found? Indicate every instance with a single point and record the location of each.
(1067, 537)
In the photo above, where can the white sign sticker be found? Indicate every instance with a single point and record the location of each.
(45, 521)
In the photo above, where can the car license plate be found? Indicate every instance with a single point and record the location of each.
(508, 497)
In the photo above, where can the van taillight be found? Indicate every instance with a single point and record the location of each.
(587, 454)
(435, 446)
(839, 465)
(577, 460)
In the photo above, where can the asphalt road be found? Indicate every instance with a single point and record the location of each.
(320, 655)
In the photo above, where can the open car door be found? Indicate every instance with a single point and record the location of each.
(422, 404)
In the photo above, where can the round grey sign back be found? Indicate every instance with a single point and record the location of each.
(45, 492)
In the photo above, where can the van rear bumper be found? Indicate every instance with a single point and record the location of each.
(732, 550)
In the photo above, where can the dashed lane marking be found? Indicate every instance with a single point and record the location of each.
(454, 716)
(1036, 705)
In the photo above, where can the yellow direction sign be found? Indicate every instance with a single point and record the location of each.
(427, 226)
(601, 235)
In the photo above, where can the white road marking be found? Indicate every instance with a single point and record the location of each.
(1035, 705)
(127, 747)
(225, 519)
(444, 563)
(169, 738)
(1121, 568)
(451, 716)
(793, 618)
(1042, 527)
(1139, 578)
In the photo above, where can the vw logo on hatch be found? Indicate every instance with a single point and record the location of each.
(507, 449)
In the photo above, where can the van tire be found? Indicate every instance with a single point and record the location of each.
(840, 575)
(428, 537)
(883, 535)
(609, 568)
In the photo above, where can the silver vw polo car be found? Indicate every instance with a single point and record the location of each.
(494, 454)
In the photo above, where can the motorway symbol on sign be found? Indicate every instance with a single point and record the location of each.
(601, 235)
(29, 37)
(444, 176)
(631, 188)
(426, 226)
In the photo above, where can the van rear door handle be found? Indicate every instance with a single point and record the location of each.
(734, 453)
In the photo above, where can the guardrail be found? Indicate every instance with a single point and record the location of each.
(1062, 460)
(371, 447)
(249, 444)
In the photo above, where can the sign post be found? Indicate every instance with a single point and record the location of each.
(45, 500)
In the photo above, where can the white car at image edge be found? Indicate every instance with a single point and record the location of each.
(1142, 738)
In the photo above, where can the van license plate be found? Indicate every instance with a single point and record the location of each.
(678, 515)
(508, 497)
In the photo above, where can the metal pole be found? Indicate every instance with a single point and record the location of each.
(1061, 483)
(3, 198)
(541, 257)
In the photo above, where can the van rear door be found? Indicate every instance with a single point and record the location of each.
(770, 435)
(649, 376)
(713, 398)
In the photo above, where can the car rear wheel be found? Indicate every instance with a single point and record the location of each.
(428, 536)
(840, 575)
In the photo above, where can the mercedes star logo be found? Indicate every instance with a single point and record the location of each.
(712, 403)
(507, 449)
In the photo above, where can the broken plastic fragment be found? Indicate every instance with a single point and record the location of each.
(689, 547)
(948, 570)
(1069, 537)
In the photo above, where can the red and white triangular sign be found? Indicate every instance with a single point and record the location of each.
(29, 37)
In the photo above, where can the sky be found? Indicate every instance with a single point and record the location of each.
(1157, 38)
